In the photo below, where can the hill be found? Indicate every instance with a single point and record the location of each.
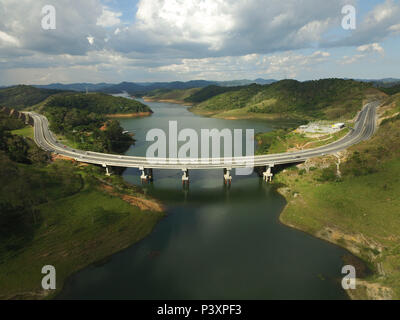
(99, 103)
(75, 86)
(82, 120)
(391, 90)
(171, 95)
(322, 99)
(20, 97)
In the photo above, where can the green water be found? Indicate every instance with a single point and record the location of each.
(215, 243)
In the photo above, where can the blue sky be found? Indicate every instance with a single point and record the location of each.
(167, 40)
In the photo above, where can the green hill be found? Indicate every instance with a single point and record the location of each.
(391, 90)
(22, 96)
(323, 99)
(173, 95)
(209, 92)
(99, 103)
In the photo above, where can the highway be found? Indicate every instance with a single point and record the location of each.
(364, 128)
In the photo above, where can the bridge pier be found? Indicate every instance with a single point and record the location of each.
(185, 177)
(227, 176)
(108, 170)
(147, 175)
(267, 175)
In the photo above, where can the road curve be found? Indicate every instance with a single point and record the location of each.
(364, 128)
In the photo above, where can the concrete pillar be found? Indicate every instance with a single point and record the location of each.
(144, 177)
(267, 175)
(185, 177)
(227, 176)
(108, 171)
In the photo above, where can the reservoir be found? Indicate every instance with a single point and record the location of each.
(215, 242)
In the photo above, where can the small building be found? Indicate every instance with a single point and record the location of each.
(338, 126)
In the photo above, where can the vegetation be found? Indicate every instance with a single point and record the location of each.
(209, 92)
(280, 141)
(20, 97)
(98, 103)
(173, 95)
(59, 214)
(391, 90)
(17, 147)
(322, 99)
(357, 208)
(82, 119)
(88, 130)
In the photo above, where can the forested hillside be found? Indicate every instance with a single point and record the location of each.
(176, 95)
(98, 102)
(20, 97)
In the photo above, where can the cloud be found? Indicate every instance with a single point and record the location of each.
(7, 40)
(108, 18)
(216, 39)
(373, 47)
(287, 64)
(90, 39)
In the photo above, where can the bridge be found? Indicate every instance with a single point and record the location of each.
(364, 128)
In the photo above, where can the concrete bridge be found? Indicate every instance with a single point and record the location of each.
(364, 128)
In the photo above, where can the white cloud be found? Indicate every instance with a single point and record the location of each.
(90, 39)
(283, 65)
(109, 18)
(204, 21)
(8, 40)
(372, 47)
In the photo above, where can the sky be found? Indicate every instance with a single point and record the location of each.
(167, 40)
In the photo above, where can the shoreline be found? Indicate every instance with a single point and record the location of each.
(129, 115)
(183, 103)
(219, 115)
(352, 241)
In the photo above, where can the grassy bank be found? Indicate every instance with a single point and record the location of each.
(27, 132)
(60, 213)
(281, 141)
(356, 207)
(71, 231)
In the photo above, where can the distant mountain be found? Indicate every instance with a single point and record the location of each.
(75, 86)
(142, 88)
(244, 82)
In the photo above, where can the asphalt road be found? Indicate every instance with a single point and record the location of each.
(364, 128)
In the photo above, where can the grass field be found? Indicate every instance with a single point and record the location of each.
(25, 132)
